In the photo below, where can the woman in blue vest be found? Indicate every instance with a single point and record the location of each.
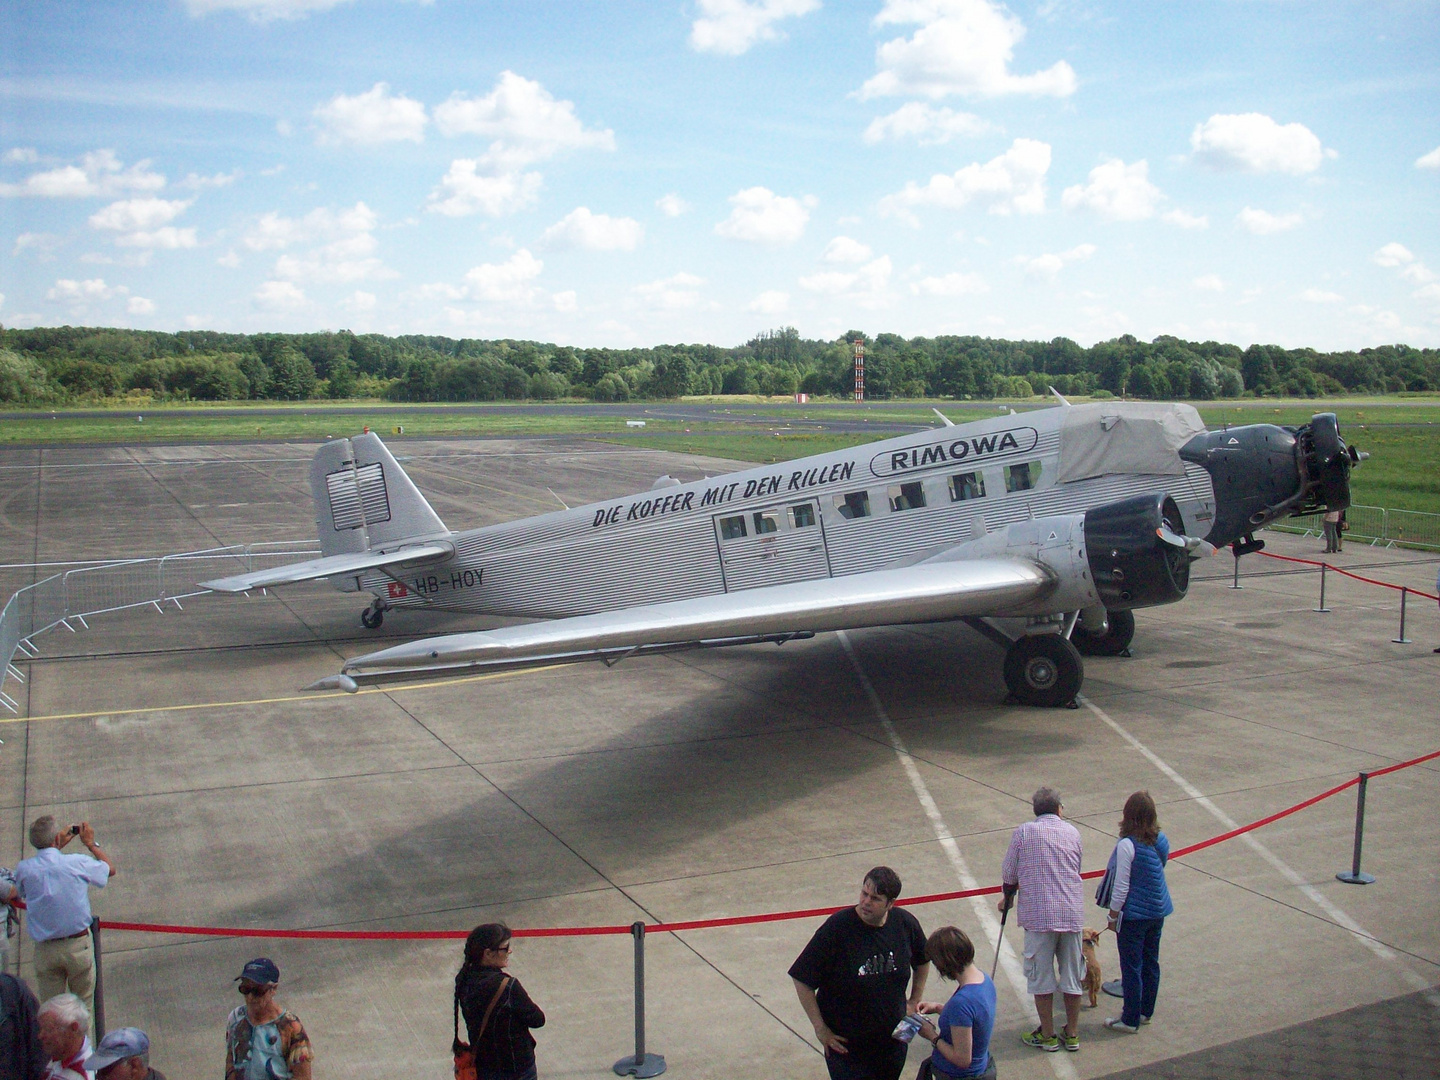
(1139, 902)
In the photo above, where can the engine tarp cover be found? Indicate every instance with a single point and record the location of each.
(1104, 437)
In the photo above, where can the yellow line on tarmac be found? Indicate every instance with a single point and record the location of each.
(277, 700)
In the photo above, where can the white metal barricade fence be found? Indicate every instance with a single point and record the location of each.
(70, 597)
(1375, 525)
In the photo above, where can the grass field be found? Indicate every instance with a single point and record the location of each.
(1402, 434)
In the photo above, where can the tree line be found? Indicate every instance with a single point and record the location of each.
(77, 365)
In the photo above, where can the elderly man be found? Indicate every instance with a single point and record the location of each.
(56, 891)
(852, 976)
(262, 1040)
(1044, 861)
(123, 1055)
(64, 1020)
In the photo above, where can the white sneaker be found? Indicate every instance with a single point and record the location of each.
(1116, 1024)
(1144, 1020)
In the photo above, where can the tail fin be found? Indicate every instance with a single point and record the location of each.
(364, 500)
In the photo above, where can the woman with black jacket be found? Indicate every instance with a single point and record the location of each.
(498, 1013)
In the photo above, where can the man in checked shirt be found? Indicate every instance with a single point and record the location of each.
(1044, 861)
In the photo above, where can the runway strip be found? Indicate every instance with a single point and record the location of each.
(984, 913)
(1314, 895)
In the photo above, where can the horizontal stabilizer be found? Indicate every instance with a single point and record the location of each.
(914, 594)
(330, 566)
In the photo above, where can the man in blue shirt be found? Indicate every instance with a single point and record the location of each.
(56, 891)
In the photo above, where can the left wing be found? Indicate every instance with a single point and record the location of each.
(331, 566)
(929, 592)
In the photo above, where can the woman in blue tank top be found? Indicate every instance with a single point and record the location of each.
(961, 1033)
(1139, 901)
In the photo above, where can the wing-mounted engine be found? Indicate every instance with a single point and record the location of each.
(1137, 552)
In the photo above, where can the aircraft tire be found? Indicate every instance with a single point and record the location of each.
(1044, 670)
(1113, 642)
(371, 618)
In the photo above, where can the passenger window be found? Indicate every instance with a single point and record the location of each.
(909, 496)
(968, 485)
(1022, 477)
(766, 521)
(732, 527)
(854, 505)
(802, 516)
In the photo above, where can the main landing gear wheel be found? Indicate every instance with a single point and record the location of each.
(1115, 640)
(372, 617)
(1044, 670)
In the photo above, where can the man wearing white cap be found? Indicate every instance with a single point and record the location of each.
(123, 1055)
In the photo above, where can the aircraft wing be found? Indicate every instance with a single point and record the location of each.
(928, 592)
(330, 566)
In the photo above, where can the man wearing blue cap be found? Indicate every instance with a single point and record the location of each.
(123, 1054)
(262, 1040)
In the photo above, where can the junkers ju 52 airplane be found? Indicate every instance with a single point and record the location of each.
(1044, 530)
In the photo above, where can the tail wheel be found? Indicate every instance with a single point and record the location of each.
(371, 618)
(1044, 670)
(1115, 640)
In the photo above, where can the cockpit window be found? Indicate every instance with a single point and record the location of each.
(909, 496)
(854, 505)
(732, 528)
(970, 485)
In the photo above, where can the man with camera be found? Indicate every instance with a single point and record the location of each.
(56, 891)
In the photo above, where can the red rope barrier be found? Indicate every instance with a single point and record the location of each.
(708, 924)
(1347, 573)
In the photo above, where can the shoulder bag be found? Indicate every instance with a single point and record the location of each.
(464, 1052)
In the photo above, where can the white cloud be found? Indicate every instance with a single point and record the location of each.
(759, 216)
(169, 238)
(565, 301)
(280, 296)
(1320, 296)
(845, 250)
(43, 244)
(231, 259)
(926, 124)
(69, 291)
(1256, 143)
(525, 121)
(868, 285)
(465, 190)
(510, 281)
(359, 301)
(138, 305)
(21, 155)
(672, 205)
(131, 215)
(955, 284)
(1430, 293)
(1400, 257)
(1014, 182)
(99, 173)
(730, 27)
(675, 293)
(593, 232)
(196, 182)
(372, 117)
(262, 10)
(1185, 220)
(1263, 223)
(1050, 264)
(341, 244)
(1209, 283)
(1430, 160)
(1118, 191)
(770, 302)
(962, 47)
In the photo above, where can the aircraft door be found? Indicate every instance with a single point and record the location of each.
(772, 545)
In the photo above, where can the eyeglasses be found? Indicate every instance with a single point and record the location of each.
(502, 948)
(254, 991)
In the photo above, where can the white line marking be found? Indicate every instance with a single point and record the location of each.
(984, 912)
(1314, 895)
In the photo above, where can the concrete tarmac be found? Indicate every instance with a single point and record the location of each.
(688, 786)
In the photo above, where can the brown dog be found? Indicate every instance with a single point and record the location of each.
(1091, 984)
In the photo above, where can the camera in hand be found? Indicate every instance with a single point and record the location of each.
(74, 830)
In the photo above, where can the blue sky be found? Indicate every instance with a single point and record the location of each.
(626, 173)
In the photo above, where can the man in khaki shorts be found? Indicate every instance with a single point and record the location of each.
(56, 891)
(1044, 861)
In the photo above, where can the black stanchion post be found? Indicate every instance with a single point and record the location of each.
(640, 1063)
(1235, 582)
(1402, 639)
(1323, 568)
(99, 981)
(1354, 876)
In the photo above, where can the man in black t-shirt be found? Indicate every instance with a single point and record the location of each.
(852, 977)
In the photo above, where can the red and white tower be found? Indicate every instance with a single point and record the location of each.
(859, 369)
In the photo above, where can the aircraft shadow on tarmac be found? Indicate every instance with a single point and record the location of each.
(765, 727)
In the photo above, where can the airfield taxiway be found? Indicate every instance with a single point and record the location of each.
(688, 786)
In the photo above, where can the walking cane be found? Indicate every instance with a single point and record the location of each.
(1010, 891)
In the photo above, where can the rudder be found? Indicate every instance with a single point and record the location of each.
(364, 500)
